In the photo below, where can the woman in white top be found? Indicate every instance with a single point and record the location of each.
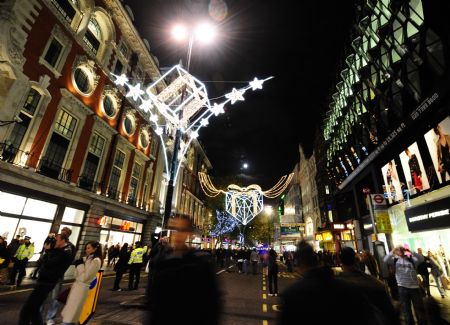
(86, 271)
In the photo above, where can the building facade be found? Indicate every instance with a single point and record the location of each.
(386, 123)
(82, 154)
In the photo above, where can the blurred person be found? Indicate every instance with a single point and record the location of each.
(13, 246)
(56, 261)
(157, 252)
(315, 283)
(135, 264)
(254, 258)
(20, 258)
(54, 304)
(273, 273)
(121, 266)
(86, 269)
(370, 264)
(436, 272)
(4, 261)
(422, 270)
(408, 284)
(368, 285)
(183, 271)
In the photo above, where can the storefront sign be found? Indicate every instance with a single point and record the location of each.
(378, 200)
(433, 215)
(383, 222)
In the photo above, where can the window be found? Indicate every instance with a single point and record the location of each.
(115, 174)
(32, 101)
(11, 203)
(118, 68)
(129, 124)
(82, 81)
(109, 107)
(53, 52)
(39, 209)
(144, 138)
(123, 49)
(65, 125)
(72, 215)
(93, 36)
(134, 184)
(154, 147)
(92, 162)
(66, 8)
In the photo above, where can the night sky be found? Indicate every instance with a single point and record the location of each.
(298, 42)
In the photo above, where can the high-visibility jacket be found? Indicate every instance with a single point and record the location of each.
(24, 251)
(137, 255)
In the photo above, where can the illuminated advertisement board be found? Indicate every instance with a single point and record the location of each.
(416, 178)
(392, 187)
(438, 142)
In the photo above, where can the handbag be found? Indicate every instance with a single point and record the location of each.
(62, 297)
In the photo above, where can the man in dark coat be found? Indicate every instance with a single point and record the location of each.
(180, 272)
(55, 262)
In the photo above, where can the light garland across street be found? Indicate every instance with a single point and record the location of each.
(179, 101)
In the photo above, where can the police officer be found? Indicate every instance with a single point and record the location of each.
(23, 254)
(135, 263)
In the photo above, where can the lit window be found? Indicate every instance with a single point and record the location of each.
(93, 36)
(65, 125)
(129, 124)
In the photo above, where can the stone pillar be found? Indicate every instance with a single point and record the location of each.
(153, 221)
(90, 230)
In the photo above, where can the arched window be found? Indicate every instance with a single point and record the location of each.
(93, 36)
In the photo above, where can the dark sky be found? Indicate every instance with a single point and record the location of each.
(297, 42)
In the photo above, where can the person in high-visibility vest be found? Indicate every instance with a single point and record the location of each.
(23, 254)
(135, 263)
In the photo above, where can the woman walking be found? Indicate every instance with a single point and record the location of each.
(121, 266)
(86, 270)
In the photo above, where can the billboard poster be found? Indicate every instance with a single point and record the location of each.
(438, 142)
(416, 178)
(392, 187)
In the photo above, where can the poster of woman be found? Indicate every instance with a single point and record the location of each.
(438, 142)
(412, 165)
(392, 187)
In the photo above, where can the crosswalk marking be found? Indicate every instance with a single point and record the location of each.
(264, 296)
(265, 322)
(264, 308)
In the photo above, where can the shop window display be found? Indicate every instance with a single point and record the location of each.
(11, 203)
(8, 227)
(37, 230)
(416, 177)
(73, 215)
(75, 232)
(39, 209)
(393, 186)
(438, 143)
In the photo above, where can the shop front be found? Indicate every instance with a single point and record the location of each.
(336, 236)
(37, 217)
(424, 222)
(119, 230)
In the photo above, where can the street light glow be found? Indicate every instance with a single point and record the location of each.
(245, 165)
(268, 209)
(205, 32)
(179, 32)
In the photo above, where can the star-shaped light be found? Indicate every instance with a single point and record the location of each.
(194, 135)
(121, 80)
(146, 105)
(154, 118)
(256, 84)
(235, 95)
(159, 130)
(218, 109)
(135, 91)
(204, 122)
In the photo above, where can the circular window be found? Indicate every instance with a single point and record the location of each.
(144, 139)
(129, 124)
(82, 81)
(109, 107)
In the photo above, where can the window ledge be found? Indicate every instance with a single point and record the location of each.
(55, 72)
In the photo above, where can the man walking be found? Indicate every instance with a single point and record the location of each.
(135, 263)
(55, 262)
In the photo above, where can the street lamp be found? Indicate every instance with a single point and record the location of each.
(268, 209)
(204, 33)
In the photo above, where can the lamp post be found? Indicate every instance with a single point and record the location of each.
(203, 33)
(268, 209)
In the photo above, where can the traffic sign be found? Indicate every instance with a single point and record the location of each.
(378, 199)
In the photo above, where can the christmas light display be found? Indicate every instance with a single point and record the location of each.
(244, 203)
(179, 101)
(225, 224)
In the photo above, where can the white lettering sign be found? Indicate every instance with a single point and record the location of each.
(431, 215)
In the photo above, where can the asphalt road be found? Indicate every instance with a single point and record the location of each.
(245, 298)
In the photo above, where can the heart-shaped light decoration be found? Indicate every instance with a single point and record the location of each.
(245, 203)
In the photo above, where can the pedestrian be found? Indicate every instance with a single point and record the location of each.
(289, 261)
(24, 253)
(370, 264)
(54, 305)
(436, 272)
(369, 286)
(182, 271)
(157, 252)
(4, 261)
(121, 266)
(408, 285)
(273, 273)
(422, 270)
(135, 264)
(86, 269)
(57, 260)
(110, 255)
(13, 246)
(315, 283)
(254, 257)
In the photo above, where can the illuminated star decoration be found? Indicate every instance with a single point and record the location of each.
(162, 102)
(235, 95)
